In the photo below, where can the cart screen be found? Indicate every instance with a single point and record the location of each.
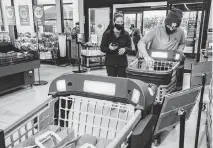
(173, 102)
(99, 87)
(159, 55)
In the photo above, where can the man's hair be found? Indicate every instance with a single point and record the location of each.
(118, 14)
(175, 15)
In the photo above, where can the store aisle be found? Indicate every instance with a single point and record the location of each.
(15, 105)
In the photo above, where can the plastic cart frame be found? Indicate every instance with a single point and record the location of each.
(64, 87)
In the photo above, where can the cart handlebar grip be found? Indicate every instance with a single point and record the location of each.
(114, 89)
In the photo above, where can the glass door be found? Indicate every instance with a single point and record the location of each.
(152, 19)
(99, 19)
(128, 20)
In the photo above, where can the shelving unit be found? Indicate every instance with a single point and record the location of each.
(17, 75)
(92, 59)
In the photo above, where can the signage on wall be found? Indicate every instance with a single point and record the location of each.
(10, 11)
(24, 15)
(39, 15)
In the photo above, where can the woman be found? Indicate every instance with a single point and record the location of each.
(116, 43)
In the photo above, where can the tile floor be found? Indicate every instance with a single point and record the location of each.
(15, 105)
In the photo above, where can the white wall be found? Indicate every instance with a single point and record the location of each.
(22, 29)
(81, 15)
(138, 5)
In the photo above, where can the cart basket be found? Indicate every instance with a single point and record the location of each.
(161, 72)
(78, 103)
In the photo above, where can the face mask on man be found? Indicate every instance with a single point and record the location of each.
(119, 27)
(169, 31)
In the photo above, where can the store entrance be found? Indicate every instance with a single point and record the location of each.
(99, 19)
(144, 20)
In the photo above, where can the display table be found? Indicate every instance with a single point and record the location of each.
(92, 59)
(17, 75)
(206, 55)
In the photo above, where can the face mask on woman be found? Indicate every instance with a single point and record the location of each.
(119, 26)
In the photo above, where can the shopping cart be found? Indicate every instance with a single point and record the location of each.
(163, 72)
(84, 103)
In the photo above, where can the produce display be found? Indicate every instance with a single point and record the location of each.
(4, 37)
(12, 55)
(47, 44)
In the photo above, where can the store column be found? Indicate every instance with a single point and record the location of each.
(81, 15)
(59, 10)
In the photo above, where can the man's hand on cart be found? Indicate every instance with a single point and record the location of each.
(149, 61)
(121, 51)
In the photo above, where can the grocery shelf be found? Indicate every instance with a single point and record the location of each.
(15, 76)
(17, 68)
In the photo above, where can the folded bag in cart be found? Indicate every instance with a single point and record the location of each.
(65, 135)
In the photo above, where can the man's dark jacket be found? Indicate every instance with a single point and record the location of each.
(123, 41)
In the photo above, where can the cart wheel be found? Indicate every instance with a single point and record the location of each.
(157, 141)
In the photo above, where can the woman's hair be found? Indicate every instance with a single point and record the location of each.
(109, 27)
(118, 14)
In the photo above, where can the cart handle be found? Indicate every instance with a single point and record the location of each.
(44, 137)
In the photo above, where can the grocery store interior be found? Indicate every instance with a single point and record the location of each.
(54, 76)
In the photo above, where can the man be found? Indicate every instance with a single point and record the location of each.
(75, 30)
(74, 51)
(135, 36)
(167, 37)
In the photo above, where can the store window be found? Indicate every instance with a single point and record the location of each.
(128, 20)
(68, 15)
(98, 23)
(139, 21)
(152, 19)
(50, 16)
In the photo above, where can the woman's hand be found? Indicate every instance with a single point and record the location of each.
(121, 51)
(112, 47)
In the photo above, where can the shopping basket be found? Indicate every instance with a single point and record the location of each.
(84, 103)
(163, 72)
